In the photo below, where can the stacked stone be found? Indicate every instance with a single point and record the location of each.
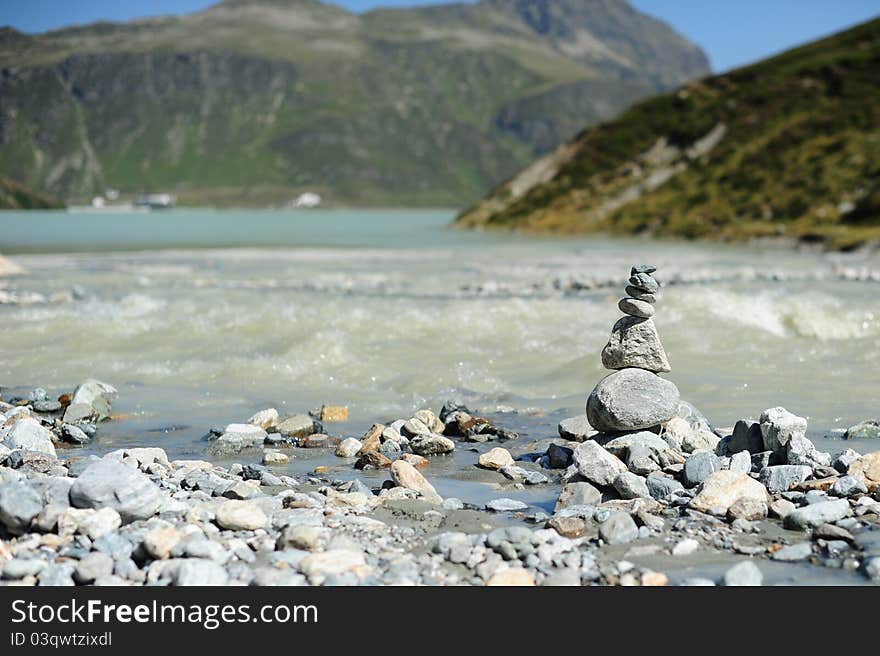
(635, 397)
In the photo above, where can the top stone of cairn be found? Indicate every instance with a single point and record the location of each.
(634, 340)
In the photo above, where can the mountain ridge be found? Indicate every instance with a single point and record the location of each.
(786, 147)
(252, 101)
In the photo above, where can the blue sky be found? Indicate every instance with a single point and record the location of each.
(732, 32)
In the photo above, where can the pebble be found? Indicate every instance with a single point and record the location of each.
(576, 429)
(349, 447)
(699, 466)
(780, 478)
(631, 486)
(240, 516)
(275, 458)
(405, 475)
(93, 566)
(200, 572)
(596, 464)
(722, 489)
(636, 308)
(506, 505)
(685, 547)
(619, 528)
(28, 434)
(495, 459)
(817, 514)
(431, 444)
(793, 553)
(743, 574)
(514, 576)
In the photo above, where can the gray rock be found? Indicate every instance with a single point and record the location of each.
(506, 505)
(596, 464)
(92, 400)
(747, 436)
(74, 435)
(631, 486)
(56, 575)
(781, 478)
(577, 494)
(636, 308)
(794, 552)
(741, 462)
(866, 430)
(111, 484)
(529, 477)
(299, 426)
(93, 566)
(619, 528)
(197, 571)
(28, 434)
(871, 568)
(801, 451)
(576, 429)
(699, 466)
(559, 457)
(640, 295)
(47, 406)
(236, 438)
(19, 568)
(825, 512)
(19, 504)
(660, 487)
(742, 574)
(634, 342)
(645, 282)
(631, 399)
(843, 460)
(642, 268)
(847, 486)
(431, 444)
(641, 460)
(778, 426)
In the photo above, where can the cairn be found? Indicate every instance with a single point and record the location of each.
(634, 397)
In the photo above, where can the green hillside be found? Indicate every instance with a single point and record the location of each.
(253, 101)
(14, 196)
(788, 147)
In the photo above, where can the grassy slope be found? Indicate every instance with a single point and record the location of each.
(251, 102)
(800, 156)
(14, 196)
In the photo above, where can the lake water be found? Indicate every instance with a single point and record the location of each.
(202, 317)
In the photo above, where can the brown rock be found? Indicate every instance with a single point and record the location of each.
(515, 576)
(654, 579)
(405, 475)
(419, 462)
(867, 468)
(569, 527)
(333, 413)
(724, 488)
(746, 508)
(372, 459)
(372, 439)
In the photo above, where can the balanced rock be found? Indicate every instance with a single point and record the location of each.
(631, 399)
(634, 342)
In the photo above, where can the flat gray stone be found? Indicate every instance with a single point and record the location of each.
(576, 429)
(635, 308)
(596, 464)
(619, 528)
(109, 483)
(816, 514)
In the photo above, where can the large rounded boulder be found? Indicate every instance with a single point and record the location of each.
(631, 399)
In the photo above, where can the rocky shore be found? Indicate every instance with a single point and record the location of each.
(736, 506)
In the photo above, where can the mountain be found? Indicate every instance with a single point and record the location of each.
(788, 147)
(14, 196)
(254, 101)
